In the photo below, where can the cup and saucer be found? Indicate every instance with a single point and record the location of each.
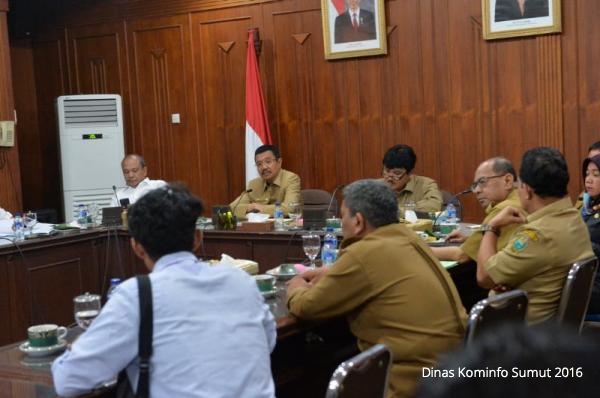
(284, 271)
(266, 285)
(44, 340)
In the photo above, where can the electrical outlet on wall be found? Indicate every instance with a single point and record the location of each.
(7, 133)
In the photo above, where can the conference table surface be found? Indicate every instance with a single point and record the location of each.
(305, 355)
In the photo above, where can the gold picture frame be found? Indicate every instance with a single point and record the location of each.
(349, 34)
(508, 18)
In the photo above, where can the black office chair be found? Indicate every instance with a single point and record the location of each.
(489, 313)
(364, 375)
(576, 293)
(319, 199)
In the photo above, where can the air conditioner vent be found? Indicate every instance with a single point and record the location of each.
(91, 112)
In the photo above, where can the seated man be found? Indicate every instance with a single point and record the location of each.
(274, 185)
(213, 332)
(494, 188)
(379, 281)
(5, 215)
(541, 251)
(136, 178)
(398, 163)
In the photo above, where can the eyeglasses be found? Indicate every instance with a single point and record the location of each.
(266, 162)
(482, 182)
(394, 174)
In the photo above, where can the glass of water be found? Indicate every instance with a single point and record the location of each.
(295, 212)
(30, 219)
(86, 308)
(311, 243)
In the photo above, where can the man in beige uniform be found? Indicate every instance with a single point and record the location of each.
(274, 185)
(398, 164)
(388, 284)
(541, 251)
(494, 188)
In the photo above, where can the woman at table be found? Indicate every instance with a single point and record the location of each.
(591, 215)
(4, 215)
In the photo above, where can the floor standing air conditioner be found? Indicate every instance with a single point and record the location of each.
(91, 149)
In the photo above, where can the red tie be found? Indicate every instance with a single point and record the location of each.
(354, 21)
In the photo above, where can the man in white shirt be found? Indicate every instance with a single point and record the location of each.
(212, 331)
(135, 173)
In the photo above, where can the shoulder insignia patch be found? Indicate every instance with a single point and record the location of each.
(523, 239)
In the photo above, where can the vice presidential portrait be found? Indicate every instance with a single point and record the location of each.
(508, 10)
(356, 23)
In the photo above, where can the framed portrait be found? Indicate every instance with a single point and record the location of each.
(513, 18)
(353, 28)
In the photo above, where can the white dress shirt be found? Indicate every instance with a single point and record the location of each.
(4, 215)
(133, 194)
(213, 334)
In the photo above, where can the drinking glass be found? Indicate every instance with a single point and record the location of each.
(311, 243)
(30, 219)
(86, 308)
(295, 212)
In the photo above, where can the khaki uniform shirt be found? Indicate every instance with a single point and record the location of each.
(393, 291)
(285, 189)
(471, 246)
(539, 256)
(423, 191)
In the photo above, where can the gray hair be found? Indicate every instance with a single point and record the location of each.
(374, 199)
(139, 158)
(501, 165)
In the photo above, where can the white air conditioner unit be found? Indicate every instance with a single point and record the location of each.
(91, 149)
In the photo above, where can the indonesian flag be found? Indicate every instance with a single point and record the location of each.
(257, 125)
(339, 6)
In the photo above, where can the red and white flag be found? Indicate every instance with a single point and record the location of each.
(339, 6)
(257, 124)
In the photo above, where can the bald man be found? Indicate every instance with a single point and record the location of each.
(135, 173)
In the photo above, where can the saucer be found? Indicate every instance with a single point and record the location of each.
(42, 351)
(275, 272)
(269, 294)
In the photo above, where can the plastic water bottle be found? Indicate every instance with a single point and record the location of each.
(114, 282)
(451, 213)
(329, 251)
(82, 216)
(19, 228)
(278, 216)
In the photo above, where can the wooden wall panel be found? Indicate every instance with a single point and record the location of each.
(163, 85)
(455, 97)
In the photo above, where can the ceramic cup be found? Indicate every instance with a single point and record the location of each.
(265, 283)
(45, 335)
(335, 223)
(287, 269)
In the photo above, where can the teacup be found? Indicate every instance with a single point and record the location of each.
(287, 269)
(446, 228)
(45, 335)
(335, 223)
(265, 283)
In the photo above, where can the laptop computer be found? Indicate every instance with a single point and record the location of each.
(111, 216)
(314, 218)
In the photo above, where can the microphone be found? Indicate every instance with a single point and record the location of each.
(246, 192)
(452, 198)
(332, 198)
(116, 196)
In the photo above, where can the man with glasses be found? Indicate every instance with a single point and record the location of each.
(274, 185)
(546, 242)
(398, 163)
(494, 187)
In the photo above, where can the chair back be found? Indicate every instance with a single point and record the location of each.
(576, 293)
(319, 199)
(364, 375)
(489, 313)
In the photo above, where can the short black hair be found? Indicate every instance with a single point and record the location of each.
(524, 354)
(268, 147)
(400, 157)
(594, 147)
(545, 170)
(163, 221)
